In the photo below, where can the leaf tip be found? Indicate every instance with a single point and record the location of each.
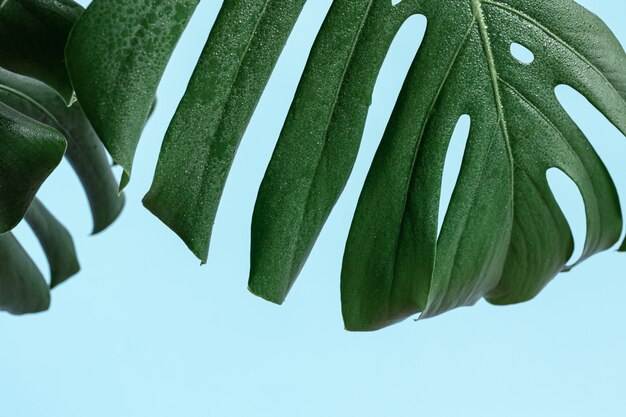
(58, 278)
(124, 180)
(100, 224)
(199, 246)
(265, 293)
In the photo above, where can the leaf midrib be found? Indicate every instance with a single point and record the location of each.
(479, 20)
(477, 11)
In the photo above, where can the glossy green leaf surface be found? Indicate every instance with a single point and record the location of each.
(396, 263)
(116, 56)
(29, 152)
(84, 150)
(319, 141)
(22, 287)
(34, 34)
(203, 137)
(56, 242)
(504, 237)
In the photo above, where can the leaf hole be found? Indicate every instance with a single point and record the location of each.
(522, 54)
(394, 2)
(568, 196)
(452, 165)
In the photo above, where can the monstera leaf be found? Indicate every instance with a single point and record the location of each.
(36, 130)
(84, 151)
(503, 238)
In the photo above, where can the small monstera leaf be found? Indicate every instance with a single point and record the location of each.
(84, 150)
(38, 128)
(34, 33)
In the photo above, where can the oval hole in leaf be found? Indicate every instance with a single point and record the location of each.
(570, 200)
(522, 54)
(452, 165)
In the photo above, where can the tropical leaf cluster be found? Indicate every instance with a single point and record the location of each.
(503, 238)
(37, 129)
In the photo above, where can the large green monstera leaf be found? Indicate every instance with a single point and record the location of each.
(503, 237)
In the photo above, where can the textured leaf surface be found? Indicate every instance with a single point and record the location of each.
(22, 287)
(29, 152)
(116, 56)
(56, 242)
(84, 151)
(203, 137)
(504, 236)
(34, 34)
(319, 141)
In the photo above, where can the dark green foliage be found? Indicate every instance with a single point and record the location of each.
(84, 150)
(33, 34)
(36, 129)
(56, 242)
(29, 152)
(504, 236)
(116, 55)
(22, 287)
(319, 141)
(203, 137)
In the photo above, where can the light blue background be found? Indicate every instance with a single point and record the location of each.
(145, 331)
